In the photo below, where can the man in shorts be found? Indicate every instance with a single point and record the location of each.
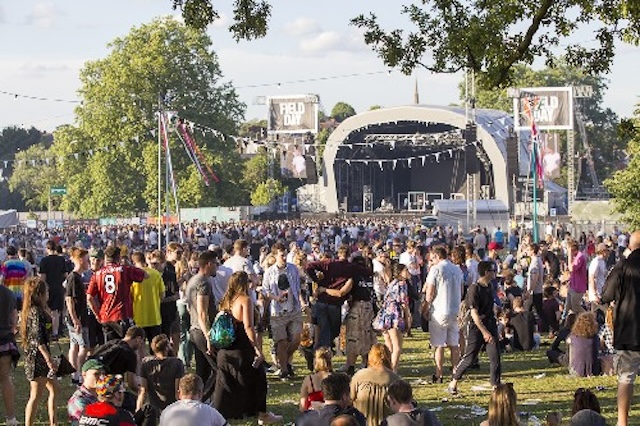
(281, 285)
(76, 318)
(443, 294)
(623, 288)
(96, 336)
(109, 294)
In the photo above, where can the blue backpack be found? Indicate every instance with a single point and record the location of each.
(223, 331)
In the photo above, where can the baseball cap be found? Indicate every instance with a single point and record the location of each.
(96, 253)
(493, 246)
(108, 385)
(92, 364)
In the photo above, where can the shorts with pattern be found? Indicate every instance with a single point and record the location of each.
(286, 326)
(360, 334)
(626, 365)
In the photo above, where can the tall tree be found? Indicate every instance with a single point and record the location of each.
(489, 37)
(32, 177)
(162, 65)
(341, 111)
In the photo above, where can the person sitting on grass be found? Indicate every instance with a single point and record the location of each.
(337, 401)
(400, 401)
(311, 389)
(502, 407)
(583, 346)
(584, 399)
(107, 411)
(555, 354)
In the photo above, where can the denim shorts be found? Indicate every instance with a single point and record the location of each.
(81, 339)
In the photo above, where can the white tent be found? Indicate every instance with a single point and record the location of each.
(490, 214)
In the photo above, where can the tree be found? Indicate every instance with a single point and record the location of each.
(624, 185)
(489, 37)
(165, 65)
(32, 176)
(341, 111)
(266, 192)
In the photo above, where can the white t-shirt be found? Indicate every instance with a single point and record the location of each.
(447, 278)
(411, 262)
(597, 271)
(187, 412)
(379, 285)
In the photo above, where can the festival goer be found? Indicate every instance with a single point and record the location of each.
(577, 265)
(160, 375)
(76, 319)
(623, 287)
(86, 393)
(168, 308)
(369, 385)
(39, 366)
(109, 294)
(337, 401)
(281, 286)
(503, 410)
(393, 319)
(400, 400)
(107, 411)
(53, 271)
(583, 346)
(481, 328)
(311, 388)
(241, 383)
(535, 282)
(147, 296)
(443, 288)
(332, 274)
(13, 274)
(597, 276)
(584, 399)
(524, 327)
(202, 311)
(9, 354)
(96, 336)
(189, 410)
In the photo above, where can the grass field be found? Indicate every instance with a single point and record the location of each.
(541, 388)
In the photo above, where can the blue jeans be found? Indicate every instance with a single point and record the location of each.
(185, 352)
(329, 319)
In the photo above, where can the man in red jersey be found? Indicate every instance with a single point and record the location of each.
(109, 294)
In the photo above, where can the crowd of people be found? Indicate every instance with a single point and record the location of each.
(138, 317)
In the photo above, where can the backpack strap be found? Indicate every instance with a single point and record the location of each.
(311, 380)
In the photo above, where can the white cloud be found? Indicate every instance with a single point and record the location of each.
(301, 26)
(332, 41)
(43, 15)
(221, 22)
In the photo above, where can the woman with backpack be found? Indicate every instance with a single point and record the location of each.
(241, 381)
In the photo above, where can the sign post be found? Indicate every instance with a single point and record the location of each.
(55, 191)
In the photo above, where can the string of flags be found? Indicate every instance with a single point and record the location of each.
(437, 156)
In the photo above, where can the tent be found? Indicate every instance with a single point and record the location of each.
(8, 218)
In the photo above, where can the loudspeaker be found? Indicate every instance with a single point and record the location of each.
(471, 153)
(312, 171)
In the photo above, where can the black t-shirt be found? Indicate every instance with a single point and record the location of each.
(513, 290)
(117, 357)
(554, 264)
(170, 280)
(523, 324)
(55, 267)
(76, 290)
(362, 288)
(480, 297)
(326, 414)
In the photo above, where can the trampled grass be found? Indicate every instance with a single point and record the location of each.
(541, 388)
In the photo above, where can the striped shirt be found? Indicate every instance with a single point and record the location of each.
(14, 273)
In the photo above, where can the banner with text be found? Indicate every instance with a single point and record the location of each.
(552, 108)
(293, 114)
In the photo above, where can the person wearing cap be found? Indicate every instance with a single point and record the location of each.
(76, 318)
(107, 411)
(86, 393)
(597, 276)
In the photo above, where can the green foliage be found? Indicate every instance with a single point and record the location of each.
(120, 99)
(266, 192)
(256, 170)
(491, 37)
(624, 185)
(32, 178)
(374, 107)
(341, 111)
(251, 17)
(255, 129)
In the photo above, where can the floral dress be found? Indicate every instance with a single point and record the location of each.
(38, 333)
(392, 312)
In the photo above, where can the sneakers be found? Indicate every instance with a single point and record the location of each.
(268, 419)
(435, 379)
(12, 422)
(451, 390)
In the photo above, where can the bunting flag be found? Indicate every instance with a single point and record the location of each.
(536, 152)
(196, 151)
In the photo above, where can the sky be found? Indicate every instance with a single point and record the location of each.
(46, 44)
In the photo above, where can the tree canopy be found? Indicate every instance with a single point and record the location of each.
(341, 111)
(116, 122)
(489, 37)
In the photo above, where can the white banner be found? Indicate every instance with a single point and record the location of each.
(293, 114)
